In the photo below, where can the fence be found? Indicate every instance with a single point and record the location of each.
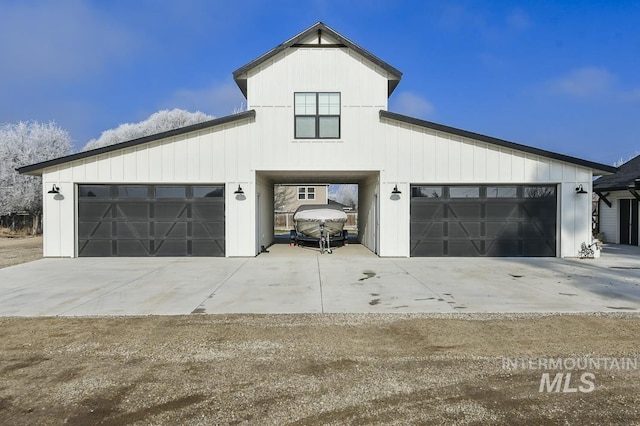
(20, 222)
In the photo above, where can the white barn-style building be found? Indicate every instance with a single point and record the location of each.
(316, 113)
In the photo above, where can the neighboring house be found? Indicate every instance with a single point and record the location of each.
(344, 207)
(618, 204)
(317, 112)
(289, 197)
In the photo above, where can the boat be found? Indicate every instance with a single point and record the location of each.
(316, 221)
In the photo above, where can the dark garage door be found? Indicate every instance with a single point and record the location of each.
(151, 220)
(483, 220)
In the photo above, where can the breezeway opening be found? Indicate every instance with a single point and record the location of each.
(278, 192)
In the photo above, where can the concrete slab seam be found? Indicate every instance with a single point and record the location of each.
(221, 284)
(418, 281)
(112, 290)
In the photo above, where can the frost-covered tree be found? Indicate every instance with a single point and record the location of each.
(346, 194)
(22, 144)
(158, 122)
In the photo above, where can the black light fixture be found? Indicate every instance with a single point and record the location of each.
(580, 190)
(54, 190)
(239, 191)
(396, 191)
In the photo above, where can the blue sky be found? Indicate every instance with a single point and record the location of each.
(557, 75)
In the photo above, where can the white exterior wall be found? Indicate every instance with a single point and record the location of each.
(395, 153)
(610, 216)
(421, 156)
(368, 213)
(271, 89)
(215, 156)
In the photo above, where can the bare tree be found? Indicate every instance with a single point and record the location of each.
(282, 197)
(346, 194)
(158, 122)
(22, 144)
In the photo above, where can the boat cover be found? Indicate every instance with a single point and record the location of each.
(321, 214)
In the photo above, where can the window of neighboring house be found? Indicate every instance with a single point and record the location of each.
(306, 193)
(317, 115)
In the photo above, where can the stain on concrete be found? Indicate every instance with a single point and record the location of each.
(368, 274)
(374, 302)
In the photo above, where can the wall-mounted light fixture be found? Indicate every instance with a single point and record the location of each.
(54, 190)
(396, 191)
(580, 190)
(239, 191)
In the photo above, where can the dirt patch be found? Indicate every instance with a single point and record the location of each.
(314, 369)
(16, 250)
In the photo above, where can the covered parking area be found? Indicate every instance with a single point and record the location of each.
(368, 204)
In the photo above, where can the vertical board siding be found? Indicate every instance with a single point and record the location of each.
(396, 153)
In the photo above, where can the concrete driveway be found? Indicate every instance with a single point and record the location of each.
(295, 279)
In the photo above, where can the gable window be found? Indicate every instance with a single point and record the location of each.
(317, 115)
(306, 193)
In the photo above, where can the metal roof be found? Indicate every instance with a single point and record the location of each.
(128, 144)
(241, 81)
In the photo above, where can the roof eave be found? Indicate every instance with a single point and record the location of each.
(595, 167)
(37, 168)
(240, 74)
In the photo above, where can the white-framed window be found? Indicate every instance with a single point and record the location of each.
(306, 193)
(317, 115)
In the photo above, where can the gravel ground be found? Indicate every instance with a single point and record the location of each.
(15, 250)
(314, 369)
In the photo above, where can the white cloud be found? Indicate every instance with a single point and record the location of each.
(490, 26)
(411, 104)
(592, 83)
(43, 41)
(219, 99)
(585, 82)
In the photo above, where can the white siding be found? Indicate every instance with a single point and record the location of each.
(391, 153)
(436, 157)
(222, 153)
(610, 216)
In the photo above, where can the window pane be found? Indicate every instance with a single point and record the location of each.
(301, 196)
(539, 191)
(502, 192)
(305, 103)
(305, 127)
(311, 190)
(329, 127)
(426, 191)
(171, 192)
(464, 192)
(329, 103)
(133, 191)
(208, 191)
(311, 196)
(102, 191)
